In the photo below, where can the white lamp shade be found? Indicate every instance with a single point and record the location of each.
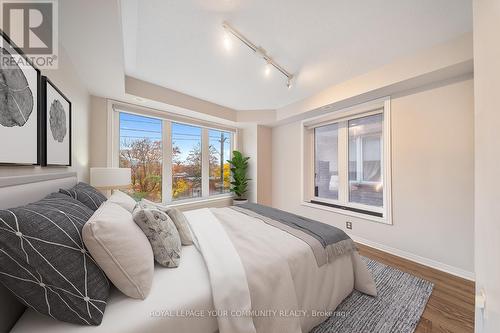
(110, 178)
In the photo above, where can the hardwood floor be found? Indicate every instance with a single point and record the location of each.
(451, 305)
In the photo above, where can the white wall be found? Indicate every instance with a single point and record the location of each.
(67, 80)
(174, 98)
(99, 128)
(440, 62)
(264, 165)
(254, 141)
(487, 167)
(247, 144)
(432, 165)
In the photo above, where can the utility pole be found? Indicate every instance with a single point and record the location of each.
(222, 140)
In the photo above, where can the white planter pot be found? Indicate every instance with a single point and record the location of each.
(239, 202)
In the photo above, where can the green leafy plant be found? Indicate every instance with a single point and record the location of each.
(239, 166)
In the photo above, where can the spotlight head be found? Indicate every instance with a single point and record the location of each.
(267, 70)
(227, 41)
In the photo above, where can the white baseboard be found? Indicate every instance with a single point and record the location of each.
(418, 259)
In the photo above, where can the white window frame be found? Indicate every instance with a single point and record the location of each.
(113, 143)
(342, 117)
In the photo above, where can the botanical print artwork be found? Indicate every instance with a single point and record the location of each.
(16, 98)
(19, 119)
(57, 126)
(57, 120)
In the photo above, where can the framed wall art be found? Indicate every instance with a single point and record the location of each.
(20, 136)
(57, 125)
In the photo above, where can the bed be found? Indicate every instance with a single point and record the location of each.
(186, 287)
(232, 280)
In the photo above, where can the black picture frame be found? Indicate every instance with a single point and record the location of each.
(39, 154)
(45, 82)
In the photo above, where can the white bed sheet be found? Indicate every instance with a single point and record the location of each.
(175, 290)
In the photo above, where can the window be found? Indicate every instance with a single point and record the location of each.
(141, 150)
(186, 161)
(219, 153)
(350, 154)
(365, 161)
(171, 161)
(326, 161)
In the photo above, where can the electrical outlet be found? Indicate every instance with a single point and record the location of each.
(348, 225)
(480, 299)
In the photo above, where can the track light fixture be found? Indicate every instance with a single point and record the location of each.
(261, 52)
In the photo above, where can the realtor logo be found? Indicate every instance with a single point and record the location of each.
(32, 26)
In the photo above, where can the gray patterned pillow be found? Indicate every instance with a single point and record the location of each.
(44, 262)
(86, 194)
(161, 233)
(179, 219)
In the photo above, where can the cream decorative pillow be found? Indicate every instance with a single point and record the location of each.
(121, 249)
(123, 199)
(161, 233)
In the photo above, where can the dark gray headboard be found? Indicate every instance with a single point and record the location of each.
(10, 309)
(17, 191)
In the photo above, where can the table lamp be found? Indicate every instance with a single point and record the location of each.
(107, 179)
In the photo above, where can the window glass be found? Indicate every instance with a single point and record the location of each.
(372, 153)
(186, 161)
(141, 150)
(219, 153)
(326, 162)
(365, 160)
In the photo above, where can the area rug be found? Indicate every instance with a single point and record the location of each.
(398, 307)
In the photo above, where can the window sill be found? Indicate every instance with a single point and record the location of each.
(347, 213)
(199, 201)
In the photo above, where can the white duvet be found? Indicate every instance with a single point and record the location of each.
(266, 280)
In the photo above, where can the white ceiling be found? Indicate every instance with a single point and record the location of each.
(90, 31)
(178, 43)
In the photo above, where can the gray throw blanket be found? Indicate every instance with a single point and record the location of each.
(326, 241)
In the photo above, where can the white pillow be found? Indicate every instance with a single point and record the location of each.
(121, 249)
(123, 199)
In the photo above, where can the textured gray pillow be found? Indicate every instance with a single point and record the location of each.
(44, 262)
(179, 219)
(182, 225)
(161, 233)
(86, 194)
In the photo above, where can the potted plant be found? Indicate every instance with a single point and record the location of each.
(239, 166)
